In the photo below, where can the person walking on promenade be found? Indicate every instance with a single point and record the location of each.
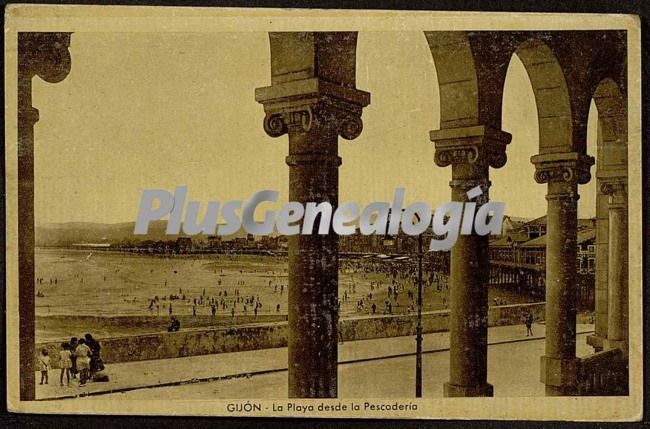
(529, 324)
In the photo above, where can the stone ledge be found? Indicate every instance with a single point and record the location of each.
(456, 391)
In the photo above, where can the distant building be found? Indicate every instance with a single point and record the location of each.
(512, 223)
(518, 259)
(214, 242)
(184, 244)
(587, 251)
(92, 245)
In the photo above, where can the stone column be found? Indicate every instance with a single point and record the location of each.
(617, 277)
(602, 255)
(470, 151)
(45, 55)
(312, 99)
(562, 172)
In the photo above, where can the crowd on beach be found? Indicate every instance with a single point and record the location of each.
(217, 301)
(78, 359)
(391, 281)
(382, 287)
(379, 284)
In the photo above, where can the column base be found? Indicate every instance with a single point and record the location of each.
(561, 390)
(615, 344)
(559, 375)
(596, 341)
(457, 391)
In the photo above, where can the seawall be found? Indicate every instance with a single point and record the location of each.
(201, 340)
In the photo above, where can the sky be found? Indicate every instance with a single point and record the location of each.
(156, 110)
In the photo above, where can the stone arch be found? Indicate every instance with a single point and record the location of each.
(471, 69)
(551, 96)
(457, 79)
(612, 126)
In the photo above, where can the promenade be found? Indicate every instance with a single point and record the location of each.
(368, 368)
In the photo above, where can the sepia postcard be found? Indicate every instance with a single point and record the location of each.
(323, 213)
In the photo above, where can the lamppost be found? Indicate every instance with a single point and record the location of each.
(418, 331)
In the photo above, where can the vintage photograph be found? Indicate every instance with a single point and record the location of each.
(264, 212)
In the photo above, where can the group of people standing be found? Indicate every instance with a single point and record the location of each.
(218, 302)
(79, 357)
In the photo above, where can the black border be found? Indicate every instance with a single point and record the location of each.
(635, 7)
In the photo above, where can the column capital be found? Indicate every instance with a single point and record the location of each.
(298, 105)
(613, 186)
(567, 167)
(478, 144)
(45, 55)
(616, 189)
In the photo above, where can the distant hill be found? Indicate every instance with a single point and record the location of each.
(68, 233)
